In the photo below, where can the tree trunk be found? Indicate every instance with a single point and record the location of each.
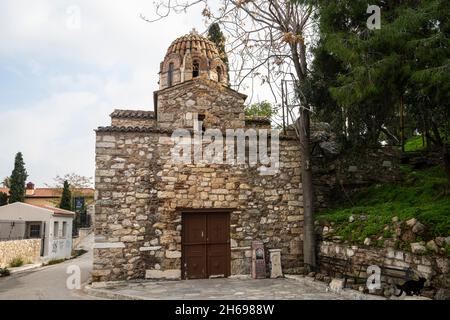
(309, 237)
(446, 155)
(402, 124)
(445, 152)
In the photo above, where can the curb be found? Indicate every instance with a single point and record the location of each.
(349, 294)
(25, 268)
(106, 294)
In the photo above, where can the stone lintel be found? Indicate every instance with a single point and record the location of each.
(241, 248)
(109, 245)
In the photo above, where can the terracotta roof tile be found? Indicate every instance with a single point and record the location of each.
(195, 43)
(50, 192)
(137, 114)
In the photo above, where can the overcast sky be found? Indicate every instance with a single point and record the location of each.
(62, 74)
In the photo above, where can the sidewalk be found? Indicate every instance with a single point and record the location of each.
(292, 288)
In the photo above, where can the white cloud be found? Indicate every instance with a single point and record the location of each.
(111, 61)
(56, 135)
(122, 54)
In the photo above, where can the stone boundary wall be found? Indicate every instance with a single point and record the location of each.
(29, 250)
(435, 268)
(351, 171)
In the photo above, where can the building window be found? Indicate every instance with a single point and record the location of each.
(201, 122)
(219, 74)
(64, 229)
(195, 69)
(55, 229)
(170, 75)
(35, 231)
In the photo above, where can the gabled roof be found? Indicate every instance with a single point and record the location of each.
(56, 211)
(50, 209)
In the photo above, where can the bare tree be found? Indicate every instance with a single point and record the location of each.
(267, 42)
(75, 181)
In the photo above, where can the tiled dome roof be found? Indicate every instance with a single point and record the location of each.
(195, 43)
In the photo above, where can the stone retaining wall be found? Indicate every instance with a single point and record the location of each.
(435, 268)
(342, 176)
(28, 250)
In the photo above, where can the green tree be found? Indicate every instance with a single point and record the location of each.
(216, 35)
(17, 182)
(66, 197)
(260, 109)
(3, 199)
(388, 77)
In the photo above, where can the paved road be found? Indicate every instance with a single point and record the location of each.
(47, 283)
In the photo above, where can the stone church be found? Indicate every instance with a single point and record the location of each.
(158, 219)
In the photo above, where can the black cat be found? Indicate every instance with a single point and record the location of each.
(411, 287)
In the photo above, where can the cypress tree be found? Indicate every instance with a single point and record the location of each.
(66, 197)
(18, 178)
(216, 36)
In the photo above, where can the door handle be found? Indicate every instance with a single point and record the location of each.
(203, 235)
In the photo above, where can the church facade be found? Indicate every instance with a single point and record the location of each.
(157, 218)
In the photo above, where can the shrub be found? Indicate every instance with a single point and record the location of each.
(16, 262)
(55, 261)
(4, 272)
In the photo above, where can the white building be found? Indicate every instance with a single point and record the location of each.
(52, 225)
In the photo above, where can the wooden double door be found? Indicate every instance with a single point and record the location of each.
(206, 245)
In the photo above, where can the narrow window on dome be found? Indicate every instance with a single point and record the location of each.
(170, 75)
(195, 69)
(219, 74)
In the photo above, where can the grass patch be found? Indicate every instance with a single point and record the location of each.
(414, 143)
(16, 262)
(420, 195)
(55, 261)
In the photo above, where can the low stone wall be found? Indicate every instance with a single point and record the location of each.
(28, 250)
(82, 234)
(435, 268)
(340, 176)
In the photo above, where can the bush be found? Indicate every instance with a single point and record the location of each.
(16, 262)
(4, 272)
(55, 261)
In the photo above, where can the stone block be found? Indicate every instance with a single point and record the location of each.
(336, 285)
(173, 254)
(171, 274)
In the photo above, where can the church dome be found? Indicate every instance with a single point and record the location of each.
(195, 43)
(189, 57)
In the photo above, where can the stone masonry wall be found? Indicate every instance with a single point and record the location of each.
(344, 175)
(139, 193)
(28, 250)
(223, 107)
(435, 268)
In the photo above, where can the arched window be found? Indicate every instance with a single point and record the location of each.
(219, 74)
(170, 75)
(195, 69)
